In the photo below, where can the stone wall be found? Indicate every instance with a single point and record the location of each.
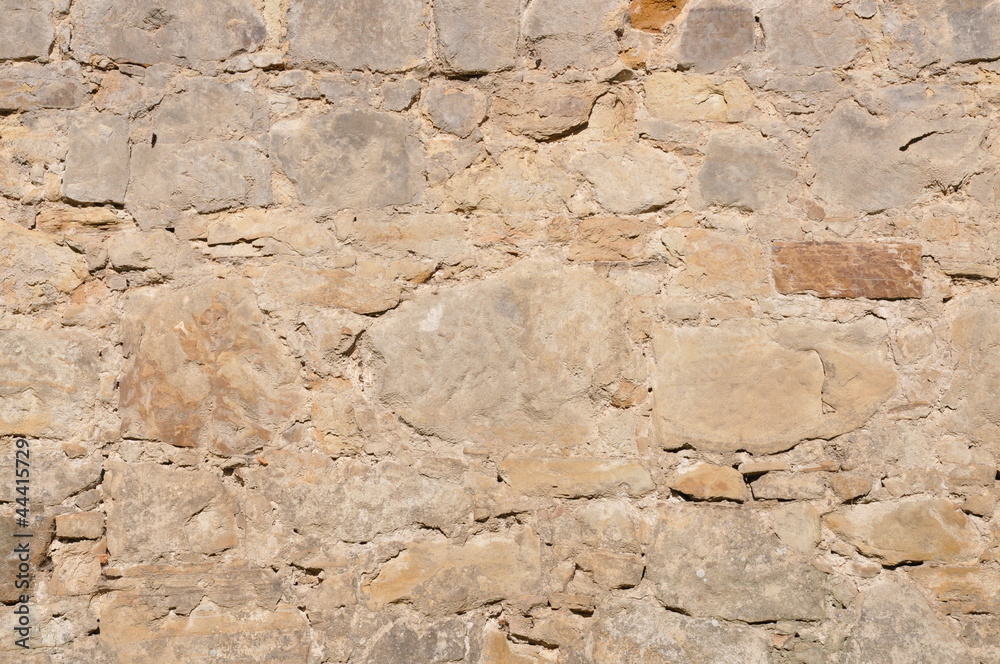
(501, 331)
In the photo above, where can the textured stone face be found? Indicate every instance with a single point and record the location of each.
(578, 34)
(353, 159)
(478, 35)
(455, 110)
(716, 561)
(97, 163)
(704, 481)
(493, 363)
(439, 577)
(714, 35)
(654, 15)
(544, 109)
(29, 86)
(381, 35)
(968, 33)
(633, 181)
(811, 367)
(47, 378)
(810, 34)
(911, 530)
(157, 511)
(35, 272)
(26, 31)
(575, 478)
(848, 269)
(202, 371)
(742, 173)
(148, 32)
(675, 96)
(976, 333)
(961, 589)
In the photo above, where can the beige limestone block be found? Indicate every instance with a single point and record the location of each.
(35, 270)
(508, 361)
(518, 181)
(908, 530)
(284, 283)
(188, 381)
(438, 577)
(679, 96)
(718, 263)
(725, 562)
(975, 332)
(612, 570)
(576, 478)
(778, 386)
(961, 589)
(705, 481)
(633, 180)
(83, 525)
(543, 109)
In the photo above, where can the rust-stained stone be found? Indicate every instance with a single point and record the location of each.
(654, 15)
(886, 271)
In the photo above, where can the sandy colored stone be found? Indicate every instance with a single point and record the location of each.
(457, 110)
(654, 15)
(611, 239)
(631, 630)
(579, 35)
(961, 589)
(576, 478)
(518, 181)
(381, 35)
(500, 362)
(35, 271)
(676, 96)
(612, 570)
(144, 250)
(639, 179)
(787, 485)
(940, 31)
(97, 161)
(282, 284)
(848, 269)
(438, 236)
(82, 525)
(975, 332)
(809, 34)
(28, 86)
(715, 34)
(350, 159)
(718, 263)
(544, 109)
(812, 366)
(188, 381)
(148, 32)
(371, 499)
(705, 481)
(160, 511)
(725, 562)
(26, 31)
(38, 545)
(498, 650)
(438, 577)
(893, 623)
(478, 36)
(48, 381)
(743, 172)
(912, 529)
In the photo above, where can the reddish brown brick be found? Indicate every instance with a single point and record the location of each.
(886, 271)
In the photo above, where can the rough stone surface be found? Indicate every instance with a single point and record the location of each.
(97, 163)
(26, 31)
(633, 181)
(454, 109)
(352, 159)
(742, 173)
(491, 362)
(149, 32)
(576, 478)
(962, 589)
(478, 36)
(381, 35)
(30, 86)
(848, 269)
(579, 35)
(713, 35)
(654, 15)
(810, 34)
(35, 271)
(910, 530)
(545, 109)
(976, 334)
(831, 379)
(675, 96)
(704, 481)
(720, 561)
(203, 372)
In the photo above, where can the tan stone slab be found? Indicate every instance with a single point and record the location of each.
(887, 271)
(962, 589)
(576, 478)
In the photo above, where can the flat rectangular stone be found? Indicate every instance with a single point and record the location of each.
(885, 271)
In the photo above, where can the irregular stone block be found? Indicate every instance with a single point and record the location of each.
(509, 360)
(164, 615)
(478, 36)
(742, 173)
(578, 34)
(717, 263)
(144, 250)
(687, 97)
(454, 109)
(282, 284)
(381, 35)
(544, 109)
(611, 239)
(831, 379)
(810, 34)
(38, 545)
(576, 478)
(908, 530)
(633, 180)
(63, 476)
(188, 381)
(705, 481)
(714, 35)
(519, 181)
(654, 15)
(35, 271)
(439, 577)
(975, 331)
(28, 86)
(150, 517)
(26, 30)
(370, 501)
(196, 33)
(786, 485)
(961, 589)
(902, 153)
(728, 563)
(612, 570)
(888, 271)
(354, 159)
(970, 32)
(48, 382)
(209, 110)
(892, 622)
(631, 630)
(82, 525)
(97, 161)
(439, 236)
